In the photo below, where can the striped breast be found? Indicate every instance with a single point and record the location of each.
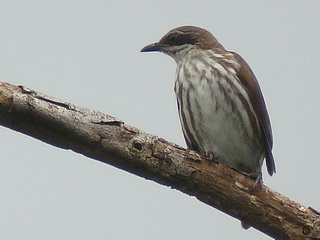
(215, 111)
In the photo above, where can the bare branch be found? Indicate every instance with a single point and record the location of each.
(109, 140)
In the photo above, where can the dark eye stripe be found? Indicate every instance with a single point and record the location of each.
(172, 37)
(180, 39)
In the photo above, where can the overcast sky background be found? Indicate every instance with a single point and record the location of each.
(87, 53)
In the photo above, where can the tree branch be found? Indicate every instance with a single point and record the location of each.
(109, 140)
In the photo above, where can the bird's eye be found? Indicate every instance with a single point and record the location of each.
(172, 37)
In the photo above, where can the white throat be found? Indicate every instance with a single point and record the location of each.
(178, 53)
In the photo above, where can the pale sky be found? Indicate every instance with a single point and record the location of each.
(87, 53)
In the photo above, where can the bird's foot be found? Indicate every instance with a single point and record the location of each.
(211, 157)
(258, 181)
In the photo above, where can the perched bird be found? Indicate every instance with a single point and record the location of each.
(220, 104)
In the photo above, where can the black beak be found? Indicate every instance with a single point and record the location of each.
(153, 47)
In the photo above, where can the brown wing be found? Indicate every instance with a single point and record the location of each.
(248, 79)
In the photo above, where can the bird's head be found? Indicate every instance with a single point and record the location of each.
(182, 39)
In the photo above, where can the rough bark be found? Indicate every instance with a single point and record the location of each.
(109, 140)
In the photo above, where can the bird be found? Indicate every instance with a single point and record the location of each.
(221, 108)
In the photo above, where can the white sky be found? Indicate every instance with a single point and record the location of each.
(87, 53)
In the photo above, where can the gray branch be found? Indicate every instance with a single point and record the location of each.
(109, 140)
